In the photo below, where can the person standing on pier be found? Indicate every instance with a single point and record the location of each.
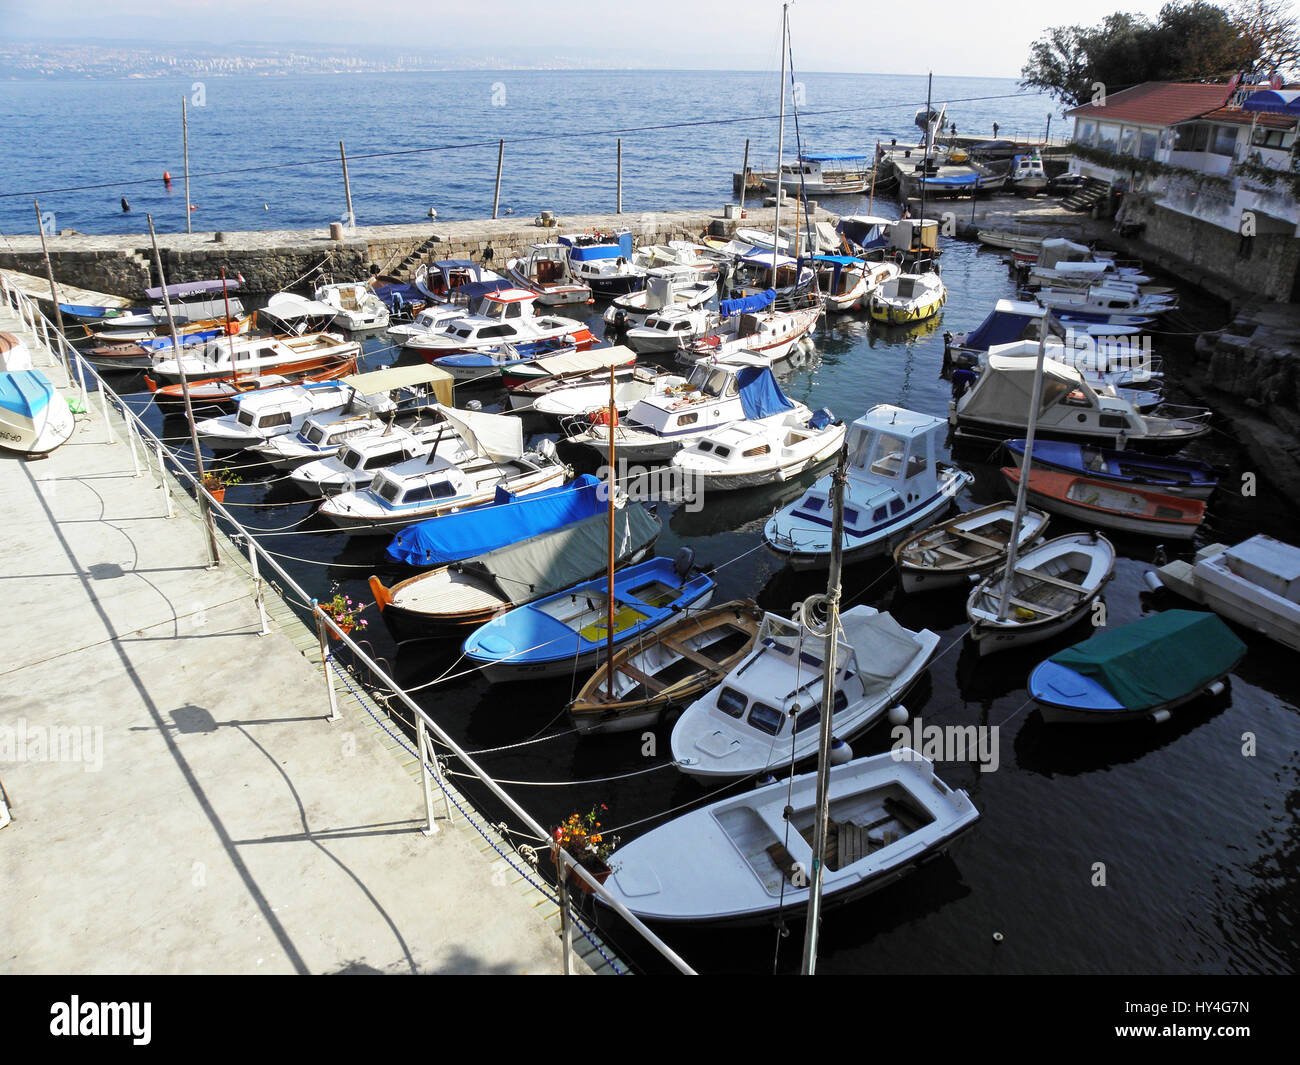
(995, 131)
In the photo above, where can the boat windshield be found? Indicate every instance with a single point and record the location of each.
(350, 457)
(314, 434)
(887, 456)
(387, 490)
(245, 417)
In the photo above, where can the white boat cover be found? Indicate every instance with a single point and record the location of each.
(576, 362)
(1056, 250)
(882, 646)
(498, 436)
(1004, 389)
(287, 306)
(386, 380)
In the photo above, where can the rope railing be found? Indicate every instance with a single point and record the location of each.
(67, 357)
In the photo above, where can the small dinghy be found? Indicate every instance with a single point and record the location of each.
(969, 545)
(738, 860)
(1054, 586)
(355, 307)
(739, 728)
(34, 418)
(1111, 505)
(1172, 476)
(566, 633)
(454, 599)
(1140, 670)
(1256, 584)
(750, 454)
(667, 668)
(908, 299)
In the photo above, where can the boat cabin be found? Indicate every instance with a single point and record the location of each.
(1027, 168)
(715, 393)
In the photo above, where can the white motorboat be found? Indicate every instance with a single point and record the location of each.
(749, 454)
(546, 271)
(770, 333)
(896, 483)
(604, 262)
(1012, 321)
(739, 728)
(355, 306)
(1027, 174)
(249, 356)
(666, 286)
(587, 397)
(34, 418)
(669, 330)
(954, 551)
(505, 317)
(715, 394)
(738, 860)
(456, 281)
(437, 485)
(1054, 585)
(836, 174)
(1255, 583)
(847, 283)
(1102, 302)
(319, 435)
(428, 321)
(356, 464)
(1063, 262)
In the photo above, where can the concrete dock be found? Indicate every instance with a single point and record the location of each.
(176, 799)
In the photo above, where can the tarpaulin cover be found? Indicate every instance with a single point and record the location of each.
(747, 304)
(498, 436)
(1276, 101)
(1158, 658)
(508, 519)
(1000, 327)
(552, 561)
(953, 179)
(760, 395)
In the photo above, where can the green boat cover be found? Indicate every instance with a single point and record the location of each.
(1157, 659)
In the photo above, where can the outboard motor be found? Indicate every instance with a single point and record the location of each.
(683, 563)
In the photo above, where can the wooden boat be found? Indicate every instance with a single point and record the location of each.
(1054, 586)
(669, 667)
(737, 860)
(34, 418)
(244, 356)
(219, 391)
(1256, 584)
(1172, 476)
(969, 545)
(159, 338)
(1006, 239)
(739, 728)
(453, 600)
(1141, 670)
(1126, 508)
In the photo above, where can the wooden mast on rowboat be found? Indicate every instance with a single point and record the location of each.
(609, 632)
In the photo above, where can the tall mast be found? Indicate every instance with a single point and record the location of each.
(925, 159)
(828, 702)
(1022, 489)
(780, 149)
(609, 632)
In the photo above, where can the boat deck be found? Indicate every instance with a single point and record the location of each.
(203, 814)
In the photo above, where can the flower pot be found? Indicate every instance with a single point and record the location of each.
(345, 628)
(598, 869)
(217, 492)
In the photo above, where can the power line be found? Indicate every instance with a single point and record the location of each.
(333, 160)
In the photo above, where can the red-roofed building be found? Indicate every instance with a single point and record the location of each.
(1202, 196)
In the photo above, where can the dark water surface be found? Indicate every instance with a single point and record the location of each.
(1198, 841)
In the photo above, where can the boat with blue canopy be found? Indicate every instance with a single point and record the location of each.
(1172, 476)
(568, 632)
(509, 518)
(1140, 670)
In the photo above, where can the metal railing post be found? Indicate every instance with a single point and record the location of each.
(165, 484)
(130, 439)
(566, 926)
(321, 633)
(108, 425)
(430, 827)
(257, 586)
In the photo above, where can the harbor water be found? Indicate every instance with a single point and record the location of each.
(1137, 849)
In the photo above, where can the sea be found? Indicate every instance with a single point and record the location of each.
(1124, 850)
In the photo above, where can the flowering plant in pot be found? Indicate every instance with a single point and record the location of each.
(217, 481)
(581, 836)
(344, 612)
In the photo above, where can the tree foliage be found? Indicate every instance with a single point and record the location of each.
(1190, 41)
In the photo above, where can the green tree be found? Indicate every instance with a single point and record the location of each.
(1271, 31)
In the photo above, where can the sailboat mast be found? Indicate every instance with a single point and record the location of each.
(780, 150)
(609, 632)
(1022, 489)
(828, 701)
(925, 158)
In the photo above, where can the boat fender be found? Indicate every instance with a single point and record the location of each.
(898, 714)
(1217, 688)
(841, 752)
(764, 780)
(1160, 716)
(1152, 580)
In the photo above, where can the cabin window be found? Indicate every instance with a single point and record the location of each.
(688, 419)
(463, 332)
(421, 493)
(918, 457)
(382, 459)
(721, 451)
(350, 459)
(270, 421)
(733, 387)
(813, 503)
(387, 491)
(716, 383)
(245, 417)
(731, 702)
(665, 326)
(515, 310)
(895, 506)
(1077, 399)
(1114, 421)
(879, 514)
(705, 446)
(314, 434)
(682, 326)
(850, 515)
(887, 459)
(807, 719)
(492, 331)
(766, 718)
(859, 444)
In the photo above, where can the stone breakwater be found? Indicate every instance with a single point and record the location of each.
(272, 260)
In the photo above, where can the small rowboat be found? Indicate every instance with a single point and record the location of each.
(217, 391)
(908, 299)
(1127, 508)
(1053, 586)
(1141, 670)
(969, 545)
(1172, 476)
(34, 418)
(670, 667)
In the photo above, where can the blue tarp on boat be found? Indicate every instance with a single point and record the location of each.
(620, 247)
(953, 180)
(507, 520)
(1000, 327)
(760, 395)
(757, 302)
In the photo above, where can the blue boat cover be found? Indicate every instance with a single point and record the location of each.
(760, 395)
(953, 180)
(1000, 327)
(832, 157)
(25, 392)
(756, 302)
(821, 419)
(507, 520)
(621, 248)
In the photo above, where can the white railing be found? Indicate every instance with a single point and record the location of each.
(65, 356)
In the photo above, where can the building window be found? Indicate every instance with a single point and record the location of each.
(1193, 137)
(1108, 137)
(1147, 145)
(1127, 141)
(1225, 140)
(1272, 138)
(1085, 131)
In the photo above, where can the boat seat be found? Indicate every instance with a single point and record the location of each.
(693, 655)
(783, 860)
(644, 679)
(976, 538)
(1037, 608)
(1048, 579)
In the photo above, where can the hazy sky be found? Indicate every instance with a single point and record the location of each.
(976, 37)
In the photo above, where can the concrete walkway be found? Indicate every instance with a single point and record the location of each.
(180, 802)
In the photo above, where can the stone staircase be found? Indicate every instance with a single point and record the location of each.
(1086, 196)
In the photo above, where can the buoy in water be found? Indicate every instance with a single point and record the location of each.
(266, 207)
(194, 207)
(433, 212)
(125, 206)
(997, 937)
(898, 715)
(841, 752)
(167, 177)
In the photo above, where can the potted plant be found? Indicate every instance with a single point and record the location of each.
(217, 481)
(344, 612)
(582, 837)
